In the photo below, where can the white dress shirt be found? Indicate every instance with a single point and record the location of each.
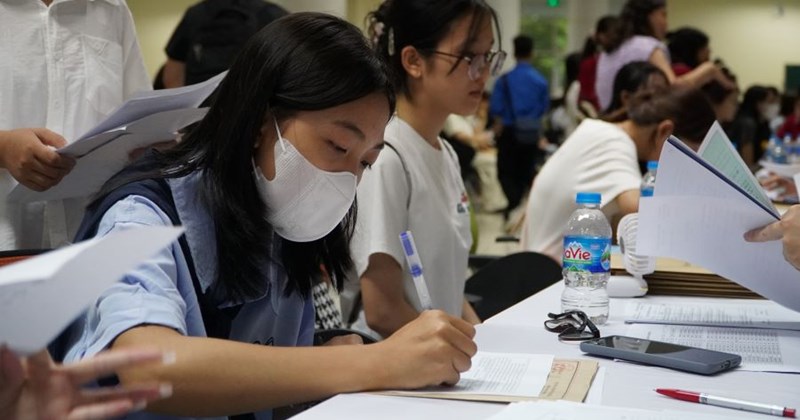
(64, 67)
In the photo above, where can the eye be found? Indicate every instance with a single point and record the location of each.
(337, 148)
(366, 165)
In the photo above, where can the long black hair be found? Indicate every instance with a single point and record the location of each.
(301, 62)
(422, 24)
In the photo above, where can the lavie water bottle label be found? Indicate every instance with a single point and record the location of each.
(647, 192)
(587, 254)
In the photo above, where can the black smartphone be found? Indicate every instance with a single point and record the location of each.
(658, 353)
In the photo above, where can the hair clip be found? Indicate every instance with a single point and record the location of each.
(390, 47)
(377, 29)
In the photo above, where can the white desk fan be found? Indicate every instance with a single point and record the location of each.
(637, 265)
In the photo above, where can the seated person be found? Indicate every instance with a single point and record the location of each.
(632, 78)
(791, 126)
(724, 99)
(603, 157)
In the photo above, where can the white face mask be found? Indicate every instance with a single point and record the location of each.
(771, 111)
(304, 203)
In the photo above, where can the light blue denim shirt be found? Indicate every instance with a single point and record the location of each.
(160, 291)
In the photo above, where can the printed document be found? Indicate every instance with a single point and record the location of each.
(566, 410)
(42, 295)
(145, 119)
(699, 215)
(738, 314)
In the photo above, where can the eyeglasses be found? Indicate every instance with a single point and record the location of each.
(571, 326)
(476, 63)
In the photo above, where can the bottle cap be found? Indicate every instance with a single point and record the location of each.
(588, 198)
(652, 165)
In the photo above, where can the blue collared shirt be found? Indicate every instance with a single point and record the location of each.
(160, 291)
(530, 95)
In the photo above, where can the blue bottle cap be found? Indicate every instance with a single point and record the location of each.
(652, 165)
(588, 198)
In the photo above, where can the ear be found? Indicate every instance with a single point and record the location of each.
(625, 96)
(663, 131)
(412, 61)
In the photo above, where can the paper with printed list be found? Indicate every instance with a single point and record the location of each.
(699, 215)
(145, 119)
(566, 410)
(509, 377)
(728, 313)
(65, 282)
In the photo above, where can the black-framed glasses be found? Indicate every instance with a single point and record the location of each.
(476, 63)
(571, 326)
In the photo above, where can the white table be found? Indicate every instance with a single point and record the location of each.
(520, 329)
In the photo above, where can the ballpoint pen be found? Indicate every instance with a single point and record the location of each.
(415, 267)
(701, 398)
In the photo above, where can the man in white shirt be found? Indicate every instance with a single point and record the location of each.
(64, 65)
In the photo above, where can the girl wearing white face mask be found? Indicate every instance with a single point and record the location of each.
(751, 128)
(264, 186)
(440, 53)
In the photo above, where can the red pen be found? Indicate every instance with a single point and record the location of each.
(701, 398)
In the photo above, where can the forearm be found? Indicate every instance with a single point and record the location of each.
(387, 314)
(698, 77)
(218, 377)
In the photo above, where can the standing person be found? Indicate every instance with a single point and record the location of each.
(603, 157)
(439, 53)
(587, 74)
(519, 96)
(66, 65)
(264, 186)
(640, 36)
(210, 35)
(688, 48)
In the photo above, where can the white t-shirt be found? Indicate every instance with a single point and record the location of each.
(598, 157)
(434, 207)
(65, 68)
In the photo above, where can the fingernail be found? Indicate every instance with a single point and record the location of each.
(165, 390)
(169, 358)
(139, 405)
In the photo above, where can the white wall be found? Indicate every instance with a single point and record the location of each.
(756, 38)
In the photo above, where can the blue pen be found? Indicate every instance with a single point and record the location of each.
(415, 266)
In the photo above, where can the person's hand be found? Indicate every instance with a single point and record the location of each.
(29, 155)
(787, 229)
(777, 182)
(483, 140)
(34, 388)
(433, 349)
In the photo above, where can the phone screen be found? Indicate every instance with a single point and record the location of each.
(640, 345)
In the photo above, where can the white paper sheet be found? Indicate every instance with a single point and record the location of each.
(566, 410)
(500, 374)
(42, 295)
(757, 314)
(697, 216)
(761, 350)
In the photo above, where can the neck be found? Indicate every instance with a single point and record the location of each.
(639, 134)
(424, 119)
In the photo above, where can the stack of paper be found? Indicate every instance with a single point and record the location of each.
(42, 295)
(509, 377)
(701, 208)
(563, 410)
(147, 118)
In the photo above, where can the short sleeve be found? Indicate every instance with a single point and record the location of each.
(382, 210)
(148, 295)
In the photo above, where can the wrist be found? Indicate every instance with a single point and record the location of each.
(378, 371)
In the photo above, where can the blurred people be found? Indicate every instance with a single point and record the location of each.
(210, 35)
(791, 125)
(588, 67)
(66, 66)
(632, 78)
(604, 157)
(519, 100)
(750, 128)
(640, 36)
(688, 48)
(724, 99)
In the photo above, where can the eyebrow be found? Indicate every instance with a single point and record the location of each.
(352, 127)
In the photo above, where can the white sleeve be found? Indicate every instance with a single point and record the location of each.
(612, 169)
(382, 210)
(134, 77)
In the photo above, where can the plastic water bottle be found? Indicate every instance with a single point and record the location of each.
(587, 259)
(649, 179)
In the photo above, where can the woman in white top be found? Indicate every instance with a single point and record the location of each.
(639, 37)
(603, 157)
(439, 53)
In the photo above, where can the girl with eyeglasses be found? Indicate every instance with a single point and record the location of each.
(264, 187)
(440, 54)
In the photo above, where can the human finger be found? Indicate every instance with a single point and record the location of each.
(771, 232)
